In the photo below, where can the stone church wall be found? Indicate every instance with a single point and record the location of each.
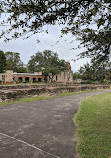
(62, 77)
(7, 77)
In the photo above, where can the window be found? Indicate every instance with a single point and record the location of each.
(3, 77)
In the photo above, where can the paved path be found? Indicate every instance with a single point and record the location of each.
(40, 129)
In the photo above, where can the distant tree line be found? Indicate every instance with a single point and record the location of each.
(47, 61)
(11, 61)
(2, 61)
(95, 71)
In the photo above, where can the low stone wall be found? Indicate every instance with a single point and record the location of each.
(29, 86)
(12, 93)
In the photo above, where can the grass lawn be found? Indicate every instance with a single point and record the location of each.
(94, 127)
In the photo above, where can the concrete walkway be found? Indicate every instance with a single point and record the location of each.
(40, 129)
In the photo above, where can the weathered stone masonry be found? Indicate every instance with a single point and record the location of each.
(11, 77)
(13, 92)
(28, 77)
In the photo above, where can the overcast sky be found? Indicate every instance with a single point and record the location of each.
(29, 47)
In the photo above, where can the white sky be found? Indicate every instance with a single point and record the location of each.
(29, 47)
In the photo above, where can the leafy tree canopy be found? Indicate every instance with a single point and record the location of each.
(14, 62)
(2, 61)
(47, 62)
(96, 71)
(79, 16)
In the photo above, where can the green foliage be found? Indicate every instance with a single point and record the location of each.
(47, 62)
(96, 71)
(14, 62)
(79, 15)
(76, 75)
(2, 62)
(94, 127)
(97, 43)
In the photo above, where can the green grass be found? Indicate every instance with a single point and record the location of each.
(29, 99)
(94, 127)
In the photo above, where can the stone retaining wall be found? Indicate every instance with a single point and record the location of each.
(12, 93)
(29, 86)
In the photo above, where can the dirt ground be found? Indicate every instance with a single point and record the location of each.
(40, 129)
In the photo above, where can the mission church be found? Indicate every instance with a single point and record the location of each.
(13, 77)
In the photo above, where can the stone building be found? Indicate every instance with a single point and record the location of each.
(28, 77)
(64, 76)
(11, 77)
(6, 77)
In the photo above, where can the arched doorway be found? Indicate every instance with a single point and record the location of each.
(56, 77)
(34, 79)
(20, 79)
(27, 79)
(39, 80)
(14, 79)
